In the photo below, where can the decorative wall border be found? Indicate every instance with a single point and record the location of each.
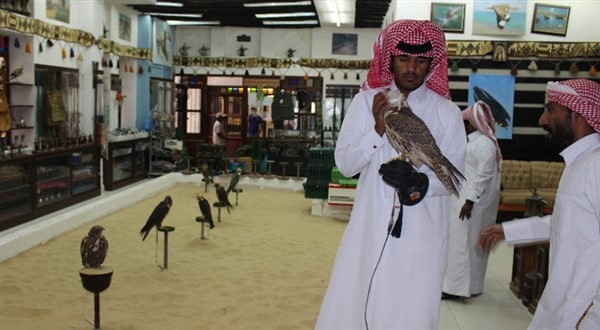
(28, 25)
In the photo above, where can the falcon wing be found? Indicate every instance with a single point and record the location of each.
(156, 218)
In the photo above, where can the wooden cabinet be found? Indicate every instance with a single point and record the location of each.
(35, 185)
(127, 163)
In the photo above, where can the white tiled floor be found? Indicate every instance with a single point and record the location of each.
(496, 309)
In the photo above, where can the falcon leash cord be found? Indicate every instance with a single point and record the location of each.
(387, 237)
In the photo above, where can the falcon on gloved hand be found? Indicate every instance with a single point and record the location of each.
(411, 138)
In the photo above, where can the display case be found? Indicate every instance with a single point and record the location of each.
(127, 163)
(15, 188)
(33, 185)
(53, 181)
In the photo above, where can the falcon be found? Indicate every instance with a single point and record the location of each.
(234, 180)
(205, 173)
(222, 196)
(156, 218)
(205, 209)
(93, 248)
(410, 136)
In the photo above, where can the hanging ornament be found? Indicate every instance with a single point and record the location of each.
(224, 73)
(331, 76)
(181, 73)
(80, 57)
(273, 73)
(454, 67)
(28, 49)
(246, 73)
(574, 69)
(593, 70)
(63, 53)
(319, 74)
(130, 68)
(17, 43)
(40, 48)
(118, 64)
(149, 67)
(357, 76)
(514, 70)
(110, 63)
(305, 75)
(140, 69)
(232, 73)
(474, 64)
(71, 53)
(263, 72)
(532, 66)
(345, 75)
(557, 68)
(50, 43)
(104, 64)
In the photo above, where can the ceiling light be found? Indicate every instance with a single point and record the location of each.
(305, 22)
(280, 15)
(278, 4)
(169, 4)
(337, 12)
(175, 22)
(174, 15)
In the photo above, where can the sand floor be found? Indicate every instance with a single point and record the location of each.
(265, 266)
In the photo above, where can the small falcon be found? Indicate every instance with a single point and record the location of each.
(222, 196)
(410, 136)
(205, 209)
(158, 215)
(235, 179)
(93, 248)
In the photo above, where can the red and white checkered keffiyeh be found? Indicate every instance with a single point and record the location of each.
(579, 95)
(412, 32)
(480, 116)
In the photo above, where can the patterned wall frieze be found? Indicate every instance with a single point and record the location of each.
(43, 29)
(465, 49)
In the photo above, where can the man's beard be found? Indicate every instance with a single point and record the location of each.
(562, 135)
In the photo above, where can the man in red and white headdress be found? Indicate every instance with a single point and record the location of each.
(477, 203)
(571, 298)
(380, 281)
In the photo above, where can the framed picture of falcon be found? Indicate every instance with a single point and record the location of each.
(449, 16)
(163, 43)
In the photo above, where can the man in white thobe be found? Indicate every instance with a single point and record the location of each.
(380, 281)
(477, 204)
(571, 298)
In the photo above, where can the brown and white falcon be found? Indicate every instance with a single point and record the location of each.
(93, 248)
(411, 137)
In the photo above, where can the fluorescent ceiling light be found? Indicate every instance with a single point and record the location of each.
(305, 22)
(278, 4)
(337, 12)
(175, 22)
(280, 15)
(174, 15)
(169, 4)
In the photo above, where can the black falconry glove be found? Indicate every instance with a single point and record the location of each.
(410, 185)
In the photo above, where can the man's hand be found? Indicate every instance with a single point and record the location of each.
(489, 236)
(380, 105)
(466, 209)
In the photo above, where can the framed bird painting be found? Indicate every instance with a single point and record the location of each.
(499, 17)
(449, 16)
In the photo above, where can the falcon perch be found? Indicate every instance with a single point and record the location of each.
(409, 135)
